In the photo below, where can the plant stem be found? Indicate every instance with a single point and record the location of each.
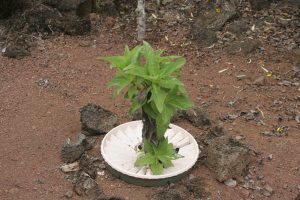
(149, 129)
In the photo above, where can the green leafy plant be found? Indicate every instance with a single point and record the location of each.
(152, 84)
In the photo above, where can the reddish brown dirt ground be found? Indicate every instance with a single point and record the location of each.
(41, 95)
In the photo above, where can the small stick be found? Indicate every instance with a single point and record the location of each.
(141, 18)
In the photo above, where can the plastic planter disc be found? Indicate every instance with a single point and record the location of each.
(119, 149)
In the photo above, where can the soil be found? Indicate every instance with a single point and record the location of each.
(41, 96)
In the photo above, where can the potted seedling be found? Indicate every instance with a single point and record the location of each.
(151, 83)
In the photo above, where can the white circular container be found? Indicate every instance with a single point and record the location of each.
(119, 149)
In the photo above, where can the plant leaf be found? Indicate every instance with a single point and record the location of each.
(149, 111)
(120, 82)
(145, 159)
(179, 101)
(152, 65)
(156, 168)
(170, 67)
(115, 61)
(166, 161)
(131, 92)
(148, 148)
(158, 95)
(135, 105)
(169, 82)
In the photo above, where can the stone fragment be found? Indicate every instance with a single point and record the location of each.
(197, 116)
(71, 152)
(260, 4)
(96, 120)
(238, 27)
(230, 182)
(243, 47)
(88, 188)
(227, 158)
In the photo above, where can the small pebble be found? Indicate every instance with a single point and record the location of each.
(260, 177)
(230, 183)
(102, 166)
(245, 193)
(238, 137)
(270, 157)
(69, 194)
(267, 191)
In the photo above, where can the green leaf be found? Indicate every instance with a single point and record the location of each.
(156, 168)
(135, 105)
(152, 64)
(145, 159)
(179, 101)
(135, 54)
(131, 92)
(115, 61)
(165, 148)
(138, 71)
(169, 68)
(148, 148)
(149, 111)
(120, 82)
(169, 82)
(166, 161)
(161, 129)
(158, 95)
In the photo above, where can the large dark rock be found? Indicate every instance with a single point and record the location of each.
(77, 26)
(243, 47)
(8, 7)
(260, 4)
(43, 18)
(96, 120)
(238, 27)
(81, 7)
(226, 157)
(213, 20)
(208, 21)
(203, 36)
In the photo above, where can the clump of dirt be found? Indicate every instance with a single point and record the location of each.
(197, 116)
(88, 188)
(196, 186)
(226, 157)
(96, 120)
(167, 194)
